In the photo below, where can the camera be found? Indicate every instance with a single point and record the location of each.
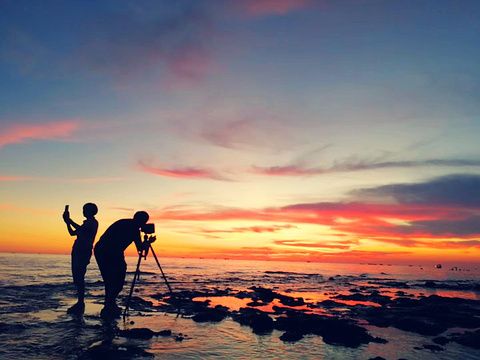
(148, 228)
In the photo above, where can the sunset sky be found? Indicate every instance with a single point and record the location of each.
(311, 130)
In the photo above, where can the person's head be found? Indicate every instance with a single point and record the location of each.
(140, 218)
(89, 210)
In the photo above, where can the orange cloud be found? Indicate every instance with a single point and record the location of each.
(304, 244)
(255, 229)
(22, 133)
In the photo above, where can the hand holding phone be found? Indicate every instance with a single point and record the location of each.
(66, 214)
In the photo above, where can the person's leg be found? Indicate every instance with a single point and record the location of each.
(118, 279)
(79, 269)
(103, 266)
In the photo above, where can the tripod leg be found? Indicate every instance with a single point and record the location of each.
(135, 277)
(163, 274)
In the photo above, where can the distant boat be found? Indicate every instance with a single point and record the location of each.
(438, 266)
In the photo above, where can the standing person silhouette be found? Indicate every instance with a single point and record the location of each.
(111, 259)
(81, 250)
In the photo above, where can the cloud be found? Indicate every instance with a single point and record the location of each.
(255, 229)
(312, 244)
(60, 180)
(168, 43)
(468, 227)
(180, 173)
(431, 216)
(458, 244)
(450, 190)
(258, 8)
(124, 40)
(254, 129)
(300, 169)
(52, 131)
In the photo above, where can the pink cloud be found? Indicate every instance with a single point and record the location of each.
(180, 173)
(300, 169)
(22, 133)
(291, 170)
(188, 67)
(355, 219)
(15, 178)
(255, 229)
(256, 8)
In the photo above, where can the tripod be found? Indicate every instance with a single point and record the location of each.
(143, 254)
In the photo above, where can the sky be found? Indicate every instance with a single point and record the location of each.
(301, 130)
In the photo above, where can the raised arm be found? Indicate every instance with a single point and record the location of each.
(72, 226)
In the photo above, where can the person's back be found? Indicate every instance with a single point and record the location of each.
(86, 235)
(119, 236)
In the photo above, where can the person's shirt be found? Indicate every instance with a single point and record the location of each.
(86, 235)
(119, 236)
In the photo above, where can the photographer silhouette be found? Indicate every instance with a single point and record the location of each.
(109, 253)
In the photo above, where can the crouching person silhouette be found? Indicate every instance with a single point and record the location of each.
(81, 250)
(111, 259)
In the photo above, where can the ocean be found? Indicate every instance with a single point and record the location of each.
(418, 312)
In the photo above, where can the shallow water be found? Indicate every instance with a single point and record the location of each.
(36, 290)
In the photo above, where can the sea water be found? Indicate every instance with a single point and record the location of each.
(36, 291)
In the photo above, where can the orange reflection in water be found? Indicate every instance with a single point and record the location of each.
(234, 304)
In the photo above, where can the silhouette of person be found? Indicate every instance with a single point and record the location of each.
(81, 250)
(111, 260)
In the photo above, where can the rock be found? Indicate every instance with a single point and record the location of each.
(377, 358)
(106, 351)
(442, 340)
(255, 303)
(419, 326)
(291, 301)
(469, 338)
(430, 284)
(164, 333)
(433, 348)
(258, 320)
(334, 331)
(291, 336)
(265, 295)
(330, 303)
(210, 315)
(138, 333)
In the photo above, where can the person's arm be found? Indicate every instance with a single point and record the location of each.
(138, 242)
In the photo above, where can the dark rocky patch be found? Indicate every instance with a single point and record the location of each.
(468, 338)
(433, 348)
(143, 333)
(334, 331)
(441, 340)
(291, 336)
(216, 314)
(427, 316)
(109, 351)
(258, 320)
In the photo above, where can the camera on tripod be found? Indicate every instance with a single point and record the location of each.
(148, 228)
(148, 239)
